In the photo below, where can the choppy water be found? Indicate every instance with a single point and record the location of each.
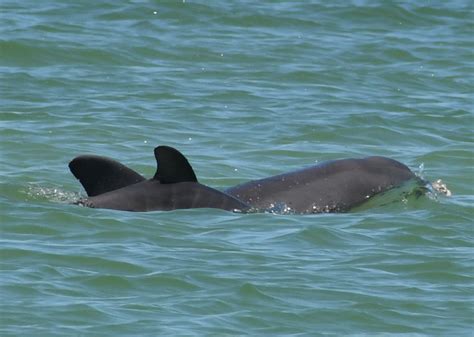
(245, 90)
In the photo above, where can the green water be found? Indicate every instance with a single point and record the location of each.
(245, 90)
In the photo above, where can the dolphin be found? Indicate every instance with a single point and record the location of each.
(99, 175)
(110, 184)
(332, 186)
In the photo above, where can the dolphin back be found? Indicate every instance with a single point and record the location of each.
(151, 195)
(333, 186)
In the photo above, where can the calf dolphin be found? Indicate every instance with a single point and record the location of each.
(112, 185)
(333, 186)
(99, 175)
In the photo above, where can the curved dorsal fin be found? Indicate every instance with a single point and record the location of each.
(172, 166)
(101, 174)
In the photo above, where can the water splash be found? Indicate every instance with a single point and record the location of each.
(436, 188)
(280, 208)
(440, 187)
(54, 194)
(421, 170)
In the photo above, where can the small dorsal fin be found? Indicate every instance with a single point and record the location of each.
(172, 166)
(101, 174)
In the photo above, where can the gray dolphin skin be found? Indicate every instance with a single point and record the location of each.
(112, 185)
(332, 186)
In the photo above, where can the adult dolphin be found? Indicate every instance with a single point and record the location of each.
(332, 186)
(110, 184)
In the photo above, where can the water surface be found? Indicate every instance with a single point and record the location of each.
(245, 90)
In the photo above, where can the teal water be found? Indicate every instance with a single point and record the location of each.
(245, 90)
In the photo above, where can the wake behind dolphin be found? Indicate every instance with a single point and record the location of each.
(333, 186)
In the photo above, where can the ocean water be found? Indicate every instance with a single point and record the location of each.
(245, 89)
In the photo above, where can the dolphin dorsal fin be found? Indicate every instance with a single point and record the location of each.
(101, 174)
(172, 166)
